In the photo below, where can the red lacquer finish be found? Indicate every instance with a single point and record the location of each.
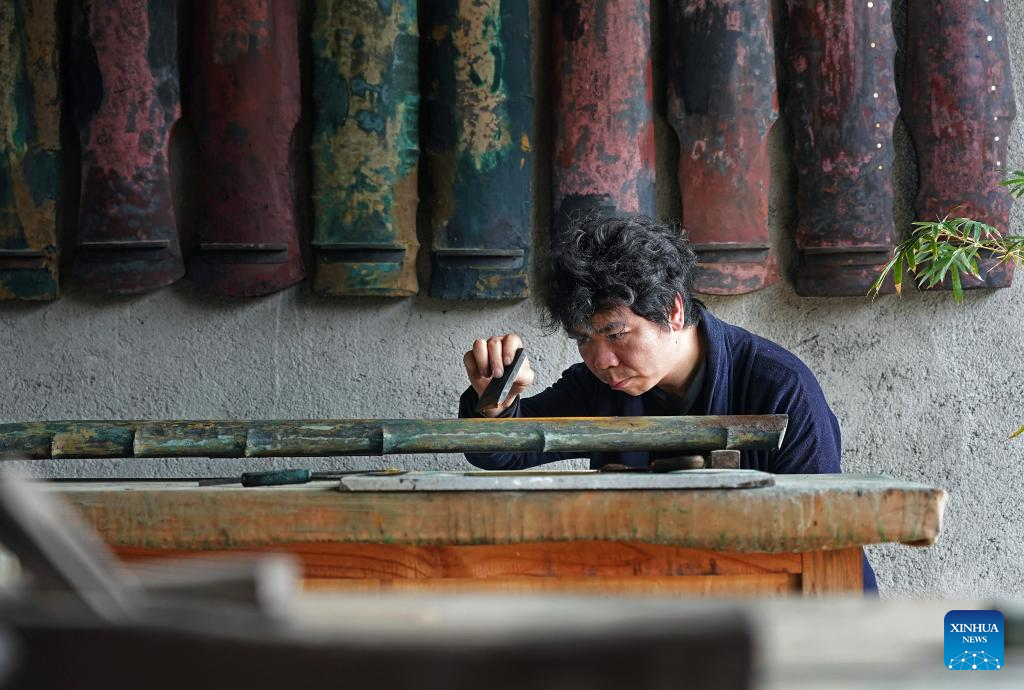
(604, 140)
(246, 104)
(959, 109)
(126, 103)
(841, 106)
(722, 103)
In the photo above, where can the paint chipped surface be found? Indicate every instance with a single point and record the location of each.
(245, 110)
(126, 100)
(479, 113)
(841, 109)
(722, 104)
(798, 514)
(30, 152)
(242, 26)
(960, 109)
(479, 54)
(365, 140)
(604, 138)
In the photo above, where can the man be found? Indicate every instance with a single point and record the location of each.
(621, 287)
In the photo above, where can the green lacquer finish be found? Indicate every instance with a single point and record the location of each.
(365, 147)
(478, 139)
(310, 438)
(192, 439)
(30, 151)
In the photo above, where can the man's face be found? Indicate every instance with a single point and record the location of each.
(628, 352)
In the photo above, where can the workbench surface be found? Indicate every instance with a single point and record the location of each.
(802, 534)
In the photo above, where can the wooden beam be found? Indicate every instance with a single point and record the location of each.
(800, 513)
(776, 584)
(578, 559)
(310, 438)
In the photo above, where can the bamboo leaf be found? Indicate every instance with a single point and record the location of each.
(947, 262)
(953, 245)
(958, 291)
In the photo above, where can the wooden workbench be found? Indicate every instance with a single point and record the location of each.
(801, 535)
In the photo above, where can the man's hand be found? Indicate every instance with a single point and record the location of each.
(488, 360)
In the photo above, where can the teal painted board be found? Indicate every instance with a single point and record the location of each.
(478, 107)
(30, 151)
(365, 147)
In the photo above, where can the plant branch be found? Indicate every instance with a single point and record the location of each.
(952, 246)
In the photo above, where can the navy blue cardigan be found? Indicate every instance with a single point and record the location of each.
(745, 374)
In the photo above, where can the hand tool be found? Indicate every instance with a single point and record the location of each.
(292, 476)
(497, 390)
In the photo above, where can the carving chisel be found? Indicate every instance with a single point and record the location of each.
(293, 476)
(498, 389)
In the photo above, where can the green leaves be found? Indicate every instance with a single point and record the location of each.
(951, 247)
(1016, 183)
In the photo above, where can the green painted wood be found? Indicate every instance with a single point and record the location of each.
(276, 477)
(31, 157)
(478, 106)
(312, 438)
(194, 439)
(365, 147)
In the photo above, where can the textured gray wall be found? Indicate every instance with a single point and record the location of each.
(925, 390)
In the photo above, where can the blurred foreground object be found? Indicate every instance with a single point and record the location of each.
(88, 626)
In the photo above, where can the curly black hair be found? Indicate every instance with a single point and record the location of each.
(602, 262)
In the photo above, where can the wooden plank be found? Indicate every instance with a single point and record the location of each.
(841, 107)
(124, 67)
(722, 104)
(604, 133)
(365, 147)
(800, 513)
(478, 107)
(578, 559)
(731, 586)
(832, 572)
(959, 109)
(31, 157)
(246, 103)
(572, 480)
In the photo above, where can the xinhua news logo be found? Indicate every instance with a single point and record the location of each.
(974, 640)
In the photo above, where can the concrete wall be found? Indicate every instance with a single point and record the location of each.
(925, 390)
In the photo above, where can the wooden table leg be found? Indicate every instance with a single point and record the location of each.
(833, 572)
